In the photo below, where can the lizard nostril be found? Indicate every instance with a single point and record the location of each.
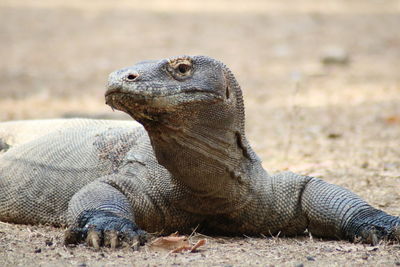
(132, 77)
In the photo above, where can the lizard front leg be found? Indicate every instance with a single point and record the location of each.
(290, 203)
(333, 210)
(102, 216)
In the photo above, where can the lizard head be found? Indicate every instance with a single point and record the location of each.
(196, 96)
(156, 92)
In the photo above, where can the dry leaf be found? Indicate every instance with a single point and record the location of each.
(171, 242)
(394, 119)
(193, 248)
(175, 244)
(180, 249)
(199, 243)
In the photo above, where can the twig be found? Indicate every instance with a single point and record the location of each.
(194, 231)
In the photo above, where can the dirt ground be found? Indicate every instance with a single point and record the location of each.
(338, 120)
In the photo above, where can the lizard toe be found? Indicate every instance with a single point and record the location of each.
(372, 236)
(73, 236)
(395, 234)
(138, 239)
(93, 239)
(111, 239)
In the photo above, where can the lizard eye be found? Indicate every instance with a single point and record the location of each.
(183, 68)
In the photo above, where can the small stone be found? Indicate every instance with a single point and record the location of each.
(38, 250)
(335, 56)
(299, 265)
(365, 165)
(310, 258)
(49, 243)
(334, 135)
(328, 249)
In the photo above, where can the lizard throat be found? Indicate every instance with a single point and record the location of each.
(199, 159)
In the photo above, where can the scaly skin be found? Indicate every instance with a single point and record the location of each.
(190, 164)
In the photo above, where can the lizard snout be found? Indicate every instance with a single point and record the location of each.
(118, 78)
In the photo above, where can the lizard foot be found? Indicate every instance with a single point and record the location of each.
(375, 227)
(372, 235)
(101, 228)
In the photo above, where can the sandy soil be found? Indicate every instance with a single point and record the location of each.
(340, 122)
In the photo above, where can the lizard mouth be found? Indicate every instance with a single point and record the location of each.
(156, 98)
(136, 105)
(154, 105)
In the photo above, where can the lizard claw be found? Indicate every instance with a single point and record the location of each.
(372, 235)
(93, 239)
(106, 229)
(395, 233)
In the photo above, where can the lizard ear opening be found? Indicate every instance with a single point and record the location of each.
(241, 145)
(227, 93)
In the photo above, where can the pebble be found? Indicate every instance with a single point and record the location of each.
(310, 258)
(335, 56)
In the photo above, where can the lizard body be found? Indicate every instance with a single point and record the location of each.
(186, 163)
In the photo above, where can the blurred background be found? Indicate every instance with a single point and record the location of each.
(321, 79)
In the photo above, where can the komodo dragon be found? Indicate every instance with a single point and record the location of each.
(186, 164)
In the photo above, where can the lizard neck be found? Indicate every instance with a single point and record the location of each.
(203, 159)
